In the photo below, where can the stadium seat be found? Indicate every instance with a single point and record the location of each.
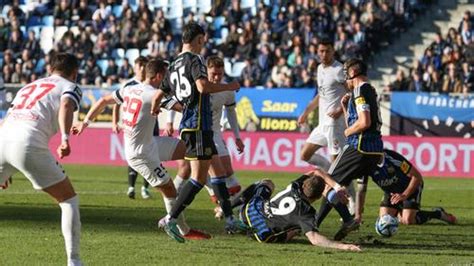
(118, 53)
(117, 10)
(218, 23)
(132, 54)
(59, 33)
(176, 26)
(189, 6)
(102, 63)
(46, 38)
(156, 4)
(75, 30)
(1, 62)
(227, 66)
(23, 31)
(48, 21)
(204, 6)
(237, 69)
(34, 21)
(145, 52)
(175, 10)
(40, 66)
(119, 63)
(224, 33)
(245, 4)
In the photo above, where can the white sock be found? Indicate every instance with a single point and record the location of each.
(232, 181)
(208, 187)
(179, 183)
(180, 221)
(352, 194)
(71, 227)
(319, 161)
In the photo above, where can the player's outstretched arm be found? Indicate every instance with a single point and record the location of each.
(115, 118)
(204, 86)
(362, 123)
(65, 118)
(234, 125)
(156, 102)
(95, 110)
(319, 240)
(311, 106)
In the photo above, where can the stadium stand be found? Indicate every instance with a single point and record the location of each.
(276, 36)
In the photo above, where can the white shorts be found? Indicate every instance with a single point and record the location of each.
(220, 144)
(150, 166)
(328, 136)
(37, 164)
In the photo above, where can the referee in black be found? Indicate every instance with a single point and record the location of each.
(364, 146)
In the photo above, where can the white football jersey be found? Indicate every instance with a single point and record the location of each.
(137, 121)
(33, 114)
(218, 101)
(330, 90)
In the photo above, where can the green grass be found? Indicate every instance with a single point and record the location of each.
(120, 231)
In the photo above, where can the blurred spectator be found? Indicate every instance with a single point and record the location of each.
(15, 44)
(279, 72)
(416, 84)
(251, 72)
(126, 70)
(32, 45)
(111, 71)
(400, 83)
(452, 81)
(92, 73)
(62, 13)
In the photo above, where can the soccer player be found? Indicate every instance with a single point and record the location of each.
(219, 101)
(187, 80)
(139, 70)
(143, 151)
(37, 112)
(403, 185)
(280, 218)
(330, 131)
(364, 148)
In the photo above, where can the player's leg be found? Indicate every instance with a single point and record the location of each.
(183, 174)
(145, 192)
(316, 140)
(232, 182)
(386, 207)
(41, 168)
(173, 149)
(132, 179)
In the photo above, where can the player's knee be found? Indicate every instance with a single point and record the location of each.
(180, 151)
(406, 221)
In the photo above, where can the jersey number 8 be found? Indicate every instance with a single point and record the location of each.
(181, 84)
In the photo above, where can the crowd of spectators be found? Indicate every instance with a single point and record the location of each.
(270, 44)
(447, 65)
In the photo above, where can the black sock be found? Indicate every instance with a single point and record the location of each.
(145, 183)
(132, 177)
(185, 197)
(243, 196)
(220, 189)
(424, 216)
(343, 212)
(324, 210)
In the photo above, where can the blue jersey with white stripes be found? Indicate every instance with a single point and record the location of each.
(393, 177)
(181, 79)
(364, 99)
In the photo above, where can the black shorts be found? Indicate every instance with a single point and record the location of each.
(351, 164)
(199, 145)
(412, 202)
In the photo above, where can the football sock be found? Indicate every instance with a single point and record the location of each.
(324, 210)
(208, 187)
(319, 161)
(181, 222)
(340, 208)
(132, 177)
(243, 196)
(219, 187)
(179, 183)
(145, 183)
(232, 181)
(71, 226)
(424, 216)
(185, 197)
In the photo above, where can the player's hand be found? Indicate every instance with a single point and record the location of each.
(335, 114)
(64, 149)
(343, 195)
(116, 128)
(302, 119)
(169, 129)
(155, 110)
(240, 145)
(351, 247)
(6, 184)
(345, 100)
(396, 198)
(78, 128)
(235, 86)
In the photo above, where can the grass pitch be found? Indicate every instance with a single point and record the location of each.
(120, 231)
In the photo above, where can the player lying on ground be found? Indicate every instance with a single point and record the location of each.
(143, 151)
(187, 81)
(36, 113)
(282, 217)
(219, 101)
(139, 70)
(403, 185)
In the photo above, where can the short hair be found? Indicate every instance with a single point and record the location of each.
(64, 63)
(141, 61)
(326, 42)
(154, 67)
(313, 187)
(215, 61)
(359, 67)
(191, 31)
